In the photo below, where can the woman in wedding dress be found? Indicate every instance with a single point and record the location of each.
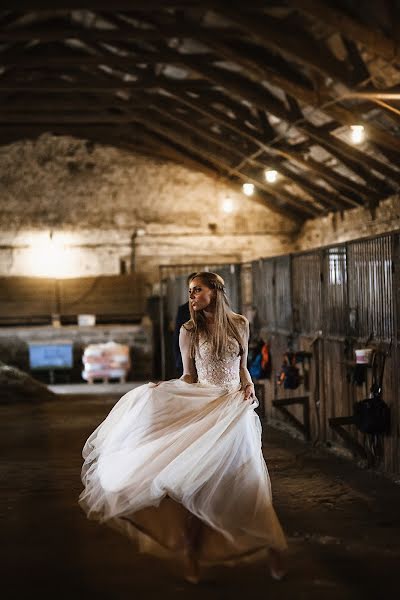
(177, 466)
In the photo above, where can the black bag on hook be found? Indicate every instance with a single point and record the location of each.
(372, 415)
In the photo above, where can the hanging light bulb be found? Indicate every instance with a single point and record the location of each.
(228, 205)
(248, 189)
(357, 134)
(271, 175)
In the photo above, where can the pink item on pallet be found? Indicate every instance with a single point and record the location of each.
(106, 361)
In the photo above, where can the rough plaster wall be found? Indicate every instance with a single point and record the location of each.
(352, 224)
(97, 197)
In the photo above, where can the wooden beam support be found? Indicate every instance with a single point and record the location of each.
(10, 118)
(343, 116)
(83, 34)
(297, 212)
(282, 36)
(261, 98)
(355, 194)
(329, 201)
(28, 60)
(360, 70)
(373, 39)
(59, 87)
(117, 5)
(351, 155)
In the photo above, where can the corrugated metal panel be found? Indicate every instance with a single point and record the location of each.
(335, 301)
(306, 274)
(370, 266)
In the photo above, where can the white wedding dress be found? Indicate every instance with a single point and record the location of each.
(174, 446)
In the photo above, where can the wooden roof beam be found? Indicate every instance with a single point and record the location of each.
(343, 116)
(104, 5)
(373, 39)
(298, 211)
(58, 86)
(68, 59)
(123, 32)
(354, 192)
(330, 201)
(283, 37)
(261, 98)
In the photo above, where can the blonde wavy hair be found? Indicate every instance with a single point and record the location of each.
(227, 324)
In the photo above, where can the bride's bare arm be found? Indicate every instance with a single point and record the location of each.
(189, 371)
(245, 377)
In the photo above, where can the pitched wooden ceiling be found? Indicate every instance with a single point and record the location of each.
(224, 86)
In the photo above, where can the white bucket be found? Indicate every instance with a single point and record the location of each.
(363, 356)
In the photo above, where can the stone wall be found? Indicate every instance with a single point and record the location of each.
(350, 225)
(96, 210)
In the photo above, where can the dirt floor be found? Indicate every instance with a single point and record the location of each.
(342, 523)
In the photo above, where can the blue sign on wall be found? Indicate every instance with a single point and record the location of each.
(50, 356)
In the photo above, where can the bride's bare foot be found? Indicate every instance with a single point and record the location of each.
(192, 571)
(277, 564)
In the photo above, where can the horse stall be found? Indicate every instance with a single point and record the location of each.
(320, 307)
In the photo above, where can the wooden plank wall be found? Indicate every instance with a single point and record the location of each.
(27, 299)
(35, 299)
(113, 295)
(334, 298)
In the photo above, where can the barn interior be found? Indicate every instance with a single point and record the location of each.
(142, 141)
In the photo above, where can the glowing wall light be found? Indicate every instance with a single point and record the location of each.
(248, 189)
(357, 134)
(48, 257)
(270, 175)
(228, 205)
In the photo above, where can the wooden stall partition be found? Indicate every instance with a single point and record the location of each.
(272, 299)
(306, 289)
(108, 297)
(330, 302)
(282, 281)
(358, 309)
(370, 265)
(394, 369)
(263, 277)
(27, 300)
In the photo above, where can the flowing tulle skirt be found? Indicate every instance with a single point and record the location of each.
(175, 447)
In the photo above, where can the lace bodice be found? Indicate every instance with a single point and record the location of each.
(225, 371)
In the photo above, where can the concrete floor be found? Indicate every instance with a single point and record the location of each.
(343, 524)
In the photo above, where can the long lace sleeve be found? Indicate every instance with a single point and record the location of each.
(189, 370)
(245, 376)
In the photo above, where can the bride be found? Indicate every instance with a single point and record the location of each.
(177, 466)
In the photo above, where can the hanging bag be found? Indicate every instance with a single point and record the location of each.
(372, 415)
(289, 376)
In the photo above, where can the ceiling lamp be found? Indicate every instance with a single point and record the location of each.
(228, 205)
(357, 133)
(248, 189)
(271, 175)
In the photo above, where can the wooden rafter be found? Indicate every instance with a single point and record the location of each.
(327, 200)
(355, 193)
(288, 39)
(373, 39)
(185, 141)
(229, 102)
